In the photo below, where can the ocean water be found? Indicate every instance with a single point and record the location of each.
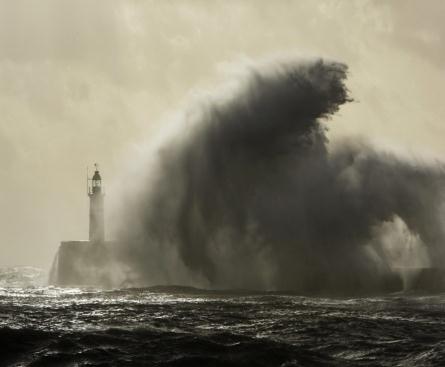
(177, 326)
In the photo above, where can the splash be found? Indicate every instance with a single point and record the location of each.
(22, 277)
(250, 196)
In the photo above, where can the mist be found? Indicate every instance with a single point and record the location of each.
(232, 183)
(250, 193)
(85, 82)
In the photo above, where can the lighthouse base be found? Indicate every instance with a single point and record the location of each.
(84, 263)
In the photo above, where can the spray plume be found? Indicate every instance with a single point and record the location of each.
(251, 197)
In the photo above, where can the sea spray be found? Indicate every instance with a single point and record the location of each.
(251, 196)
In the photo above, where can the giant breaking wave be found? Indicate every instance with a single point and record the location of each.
(248, 195)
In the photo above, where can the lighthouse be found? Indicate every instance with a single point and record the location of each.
(96, 195)
(87, 262)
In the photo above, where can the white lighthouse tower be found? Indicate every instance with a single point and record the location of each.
(96, 195)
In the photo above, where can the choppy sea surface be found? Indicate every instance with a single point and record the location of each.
(177, 326)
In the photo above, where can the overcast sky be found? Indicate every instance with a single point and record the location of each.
(84, 81)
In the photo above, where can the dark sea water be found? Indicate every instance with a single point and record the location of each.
(174, 326)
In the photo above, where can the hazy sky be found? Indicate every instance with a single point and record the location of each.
(84, 81)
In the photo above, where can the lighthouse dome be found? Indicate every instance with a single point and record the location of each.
(96, 176)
